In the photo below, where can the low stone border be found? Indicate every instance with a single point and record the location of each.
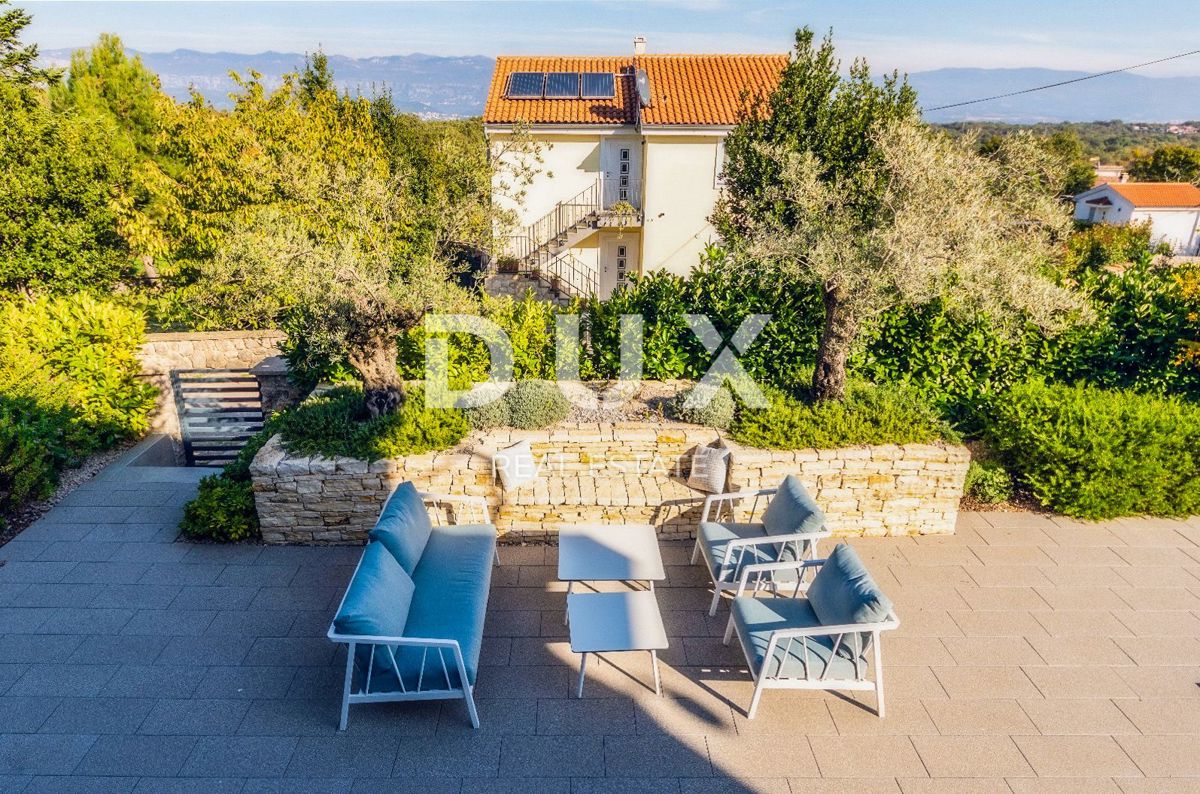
(621, 472)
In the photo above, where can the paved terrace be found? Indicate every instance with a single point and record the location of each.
(1036, 654)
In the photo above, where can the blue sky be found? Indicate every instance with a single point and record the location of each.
(912, 35)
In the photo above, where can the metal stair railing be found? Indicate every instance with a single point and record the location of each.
(568, 274)
(534, 245)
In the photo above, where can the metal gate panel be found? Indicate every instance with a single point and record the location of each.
(219, 410)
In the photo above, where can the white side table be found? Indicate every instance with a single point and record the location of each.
(604, 622)
(609, 553)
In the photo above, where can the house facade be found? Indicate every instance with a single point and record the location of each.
(632, 151)
(1171, 208)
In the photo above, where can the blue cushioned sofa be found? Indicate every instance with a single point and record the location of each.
(736, 553)
(823, 641)
(412, 615)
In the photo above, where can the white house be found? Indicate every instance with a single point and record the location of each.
(632, 150)
(1172, 208)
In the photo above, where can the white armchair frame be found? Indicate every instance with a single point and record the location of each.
(388, 645)
(735, 550)
(763, 677)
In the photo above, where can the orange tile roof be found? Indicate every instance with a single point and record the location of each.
(684, 89)
(1158, 194)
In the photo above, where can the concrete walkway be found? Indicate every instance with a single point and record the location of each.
(1036, 654)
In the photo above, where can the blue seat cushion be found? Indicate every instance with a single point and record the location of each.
(404, 526)
(452, 581)
(377, 602)
(792, 510)
(802, 657)
(714, 539)
(844, 592)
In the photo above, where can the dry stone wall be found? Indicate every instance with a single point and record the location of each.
(630, 472)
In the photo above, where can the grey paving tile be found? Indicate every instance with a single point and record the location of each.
(23, 619)
(124, 533)
(295, 785)
(152, 552)
(447, 756)
(169, 622)
(59, 594)
(68, 680)
(9, 590)
(222, 650)
(34, 571)
(37, 754)
(627, 785)
(25, 714)
(210, 596)
(48, 531)
(188, 785)
(194, 717)
(199, 573)
(246, 682)
(77, 551)
(98, 715)
(267, 623)
(234, 553)
(107, 573)
(151, 756)
(501, 716)
(256, 575)
(81, 784)
(419, 785)
(552, 756)
(154, 680)
(89, 514)
(82, 620)
(656, 756)
(311, 623)
(298, 651)
(153, 597)
(291, 598)
(240, 756)
(14, 784)
(20, 548)
(291, 717)
(37, 648)
(9, 674)
(341, 756)
(119, 649)
(594, 716)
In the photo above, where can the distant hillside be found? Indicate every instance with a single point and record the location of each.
(457, 86)
(1118, 96)
(431, 85)
(1111, 141)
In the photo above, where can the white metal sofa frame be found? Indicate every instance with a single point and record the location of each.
(762, 677)
(805, 543)
(364, 693)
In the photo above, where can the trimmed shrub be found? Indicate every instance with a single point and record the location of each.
(69, 386)
(486, 415)
(332, 425)
(869, 415)
(534, 404)
(716, 409)
(988, 482)
(223, 510)
(1095, 453)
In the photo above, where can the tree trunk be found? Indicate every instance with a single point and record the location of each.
(375, 361)
(841, 327)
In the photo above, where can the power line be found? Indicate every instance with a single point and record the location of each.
(1063, 82)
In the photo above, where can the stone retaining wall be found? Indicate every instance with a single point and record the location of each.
(162, 354)
(608, 473)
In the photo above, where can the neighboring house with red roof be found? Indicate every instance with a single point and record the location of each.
(633, 150)
(1172, 208)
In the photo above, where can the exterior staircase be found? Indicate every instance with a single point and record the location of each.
(542, 251)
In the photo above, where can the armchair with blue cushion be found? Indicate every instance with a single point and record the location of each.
(789, 530)
(821, 641)
(412, 616)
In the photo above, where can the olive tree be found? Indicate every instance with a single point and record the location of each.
(978, 232)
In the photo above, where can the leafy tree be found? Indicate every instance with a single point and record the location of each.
(317, 78)
(948, 224)
(18, 62)
(1064, 145)
(1167, 164)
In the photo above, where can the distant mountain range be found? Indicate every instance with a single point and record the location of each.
(440, 86)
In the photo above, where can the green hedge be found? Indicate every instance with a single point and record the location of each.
(223, 509)
(1096, 453)
(888, 414)
(69, 387)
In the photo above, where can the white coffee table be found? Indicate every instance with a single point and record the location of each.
(609, 553)
(610, 622)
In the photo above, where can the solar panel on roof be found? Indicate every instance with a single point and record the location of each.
(525, 85)
(598, 85)
(562, 84)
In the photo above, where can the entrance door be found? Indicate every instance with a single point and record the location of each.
(621, 166)
(618, 259)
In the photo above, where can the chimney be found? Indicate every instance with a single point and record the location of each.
(639, 45)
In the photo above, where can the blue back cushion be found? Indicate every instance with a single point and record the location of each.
(843, 591)
(378, 597)
(792, 510)
(404, 526)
